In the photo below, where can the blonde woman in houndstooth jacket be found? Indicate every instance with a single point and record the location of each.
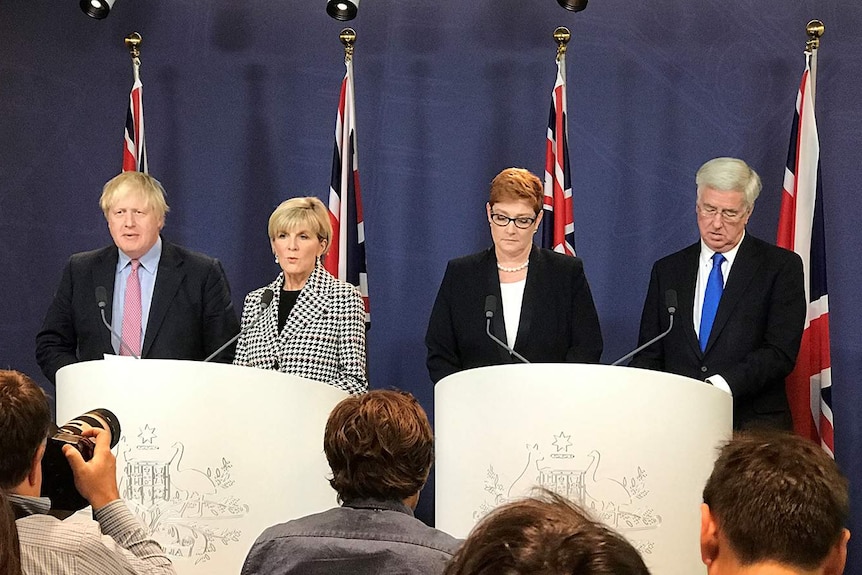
(315, 325)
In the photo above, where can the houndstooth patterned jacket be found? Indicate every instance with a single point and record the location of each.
(323, 339)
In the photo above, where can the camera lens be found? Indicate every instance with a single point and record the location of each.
(95, 418)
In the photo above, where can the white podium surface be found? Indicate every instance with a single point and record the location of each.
(633, 446)
(210, 454)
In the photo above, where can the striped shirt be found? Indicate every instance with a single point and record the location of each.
(115, 543)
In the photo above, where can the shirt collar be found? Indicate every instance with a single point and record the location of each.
(380, 504)
(25, 505)
(149, 261)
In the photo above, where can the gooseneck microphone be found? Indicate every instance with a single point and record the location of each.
(490, 307)
(265, 300)
(102, 300)
(670, 304)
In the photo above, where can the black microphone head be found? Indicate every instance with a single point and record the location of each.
(670, 301)
(490, 306)
(101, 296)
(266, 298)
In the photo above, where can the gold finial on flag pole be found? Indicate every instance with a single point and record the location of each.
(562, 37)
(815, 30)
(348, 38)
(133, 43)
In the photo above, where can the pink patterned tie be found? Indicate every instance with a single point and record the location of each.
(132, 313)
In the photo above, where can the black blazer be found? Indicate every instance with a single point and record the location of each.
(558, 320)
(190, 317)
(756, 334)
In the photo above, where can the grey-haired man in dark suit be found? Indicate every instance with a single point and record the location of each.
(751, 344)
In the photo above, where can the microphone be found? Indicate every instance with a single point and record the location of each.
(490, 306)
(265, 300)
(102, 300)
(671, 304)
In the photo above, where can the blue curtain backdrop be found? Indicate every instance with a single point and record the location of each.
(240, 102)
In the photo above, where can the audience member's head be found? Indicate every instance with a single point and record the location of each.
(774, 499)
(379, 445)
(10, 550)
(547, 535)
(25, 417)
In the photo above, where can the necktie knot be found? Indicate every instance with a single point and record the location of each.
(717, 259)
(135, 265)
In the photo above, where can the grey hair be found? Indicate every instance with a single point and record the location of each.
(729, 174)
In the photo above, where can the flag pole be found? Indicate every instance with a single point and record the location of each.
(135, 150)
(815, 30)
(558, 226)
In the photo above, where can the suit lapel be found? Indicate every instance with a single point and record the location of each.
(168, 280)
(532, 289)
(311, 303)
(104, 274)
(686, 292)
(743, 271)
(498, 325)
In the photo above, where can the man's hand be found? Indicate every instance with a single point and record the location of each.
(96, 479)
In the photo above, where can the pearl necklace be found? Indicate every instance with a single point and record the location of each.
(515, 269)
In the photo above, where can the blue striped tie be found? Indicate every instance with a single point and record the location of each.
(714, 289)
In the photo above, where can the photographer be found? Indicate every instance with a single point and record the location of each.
(114, 543)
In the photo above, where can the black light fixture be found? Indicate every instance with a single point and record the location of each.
(341, 9)
(97, 9)
(573, 5)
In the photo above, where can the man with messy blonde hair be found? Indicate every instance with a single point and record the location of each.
(185, 309)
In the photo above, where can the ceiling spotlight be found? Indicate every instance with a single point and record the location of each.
(573, 5)
(340, 9)
(97, 9)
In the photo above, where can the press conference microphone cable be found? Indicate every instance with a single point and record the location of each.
(102, 300)
(265, 300)
(670, 303)
(490, 306)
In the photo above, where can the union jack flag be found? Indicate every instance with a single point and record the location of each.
(346, 257)
(801, 229)
(558, 224)
(135, 148)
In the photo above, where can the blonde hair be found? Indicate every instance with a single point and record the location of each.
(149, 188)
(296, 213)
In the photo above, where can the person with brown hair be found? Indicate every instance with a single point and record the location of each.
(775, 504)
(540, 300)
(10, 550)
(380, 448)
(544, 535)
(115, 543)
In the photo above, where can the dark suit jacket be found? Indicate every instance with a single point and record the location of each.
(190, 317)
(558, 320)
(756, 334)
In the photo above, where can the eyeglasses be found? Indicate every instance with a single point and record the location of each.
(729, 216)
(521, 222)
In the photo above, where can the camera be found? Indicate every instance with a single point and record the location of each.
(58, 483)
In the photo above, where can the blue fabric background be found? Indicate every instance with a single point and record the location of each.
(240, 102)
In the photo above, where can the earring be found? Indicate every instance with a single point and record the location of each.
(276, 258)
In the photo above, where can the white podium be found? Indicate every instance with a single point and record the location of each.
(210, 454)
(633, 446)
